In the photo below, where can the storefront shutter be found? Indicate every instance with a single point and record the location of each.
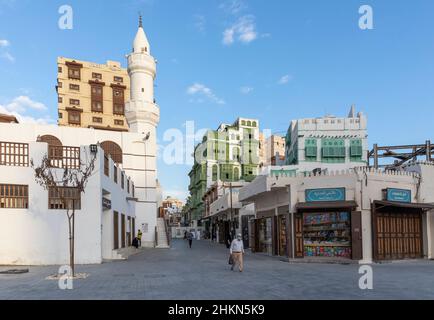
(299, 246)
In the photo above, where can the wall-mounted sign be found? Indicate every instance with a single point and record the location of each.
(106, 204)
(328, 194)
(398, 195)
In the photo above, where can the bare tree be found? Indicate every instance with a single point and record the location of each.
(55, 180)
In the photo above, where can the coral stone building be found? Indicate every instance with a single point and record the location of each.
(92, 95)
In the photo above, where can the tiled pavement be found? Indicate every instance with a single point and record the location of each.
(203, 273)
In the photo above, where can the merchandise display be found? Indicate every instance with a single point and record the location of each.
(327, 234)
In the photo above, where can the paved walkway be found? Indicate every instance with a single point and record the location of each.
(203, 273)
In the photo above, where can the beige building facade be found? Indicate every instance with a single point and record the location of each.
(92, 95)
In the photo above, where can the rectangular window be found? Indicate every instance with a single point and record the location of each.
(74, 102)
(118, 109)
(97, 119)
(59, 84)
(74, 117)
(64, 198)
(74, 73)
(97, 75)
(118, 79)
(74, 87)
(122, 181)
(97, 106)
(311, 149)
(118, 101)
(115, 174)
(60, 115)
(128, 186)
(14, 196)
(14, 154)
(119, 122)
(59, 69)
(333, 150)
(60, 99)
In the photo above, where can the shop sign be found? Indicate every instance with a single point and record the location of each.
(329, 194)
(106, 204)
(398, 195)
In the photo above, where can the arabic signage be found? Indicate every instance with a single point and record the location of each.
(328, 194)
(398, 195)
(106, 204)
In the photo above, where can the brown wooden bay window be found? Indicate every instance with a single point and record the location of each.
(64, 198)
(74, 117)
(118, 99)
(14, 196)
(74, 70)
(96, 97)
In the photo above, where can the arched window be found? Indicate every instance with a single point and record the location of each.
(55, 149)
(214, 172)
(236, 174)
(249, 123)
(254, 124)
(113, 149)
(52, 141)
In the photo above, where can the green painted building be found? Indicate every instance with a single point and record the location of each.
(228, 154)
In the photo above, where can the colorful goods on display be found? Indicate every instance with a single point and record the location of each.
(327, 235)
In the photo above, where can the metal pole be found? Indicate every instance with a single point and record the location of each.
(428, 150)
(232, 215)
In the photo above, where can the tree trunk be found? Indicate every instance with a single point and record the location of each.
(72, 262)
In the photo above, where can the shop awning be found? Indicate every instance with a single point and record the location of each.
(326, 205)
(423, 206)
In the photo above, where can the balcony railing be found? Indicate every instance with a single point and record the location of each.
(64, 157)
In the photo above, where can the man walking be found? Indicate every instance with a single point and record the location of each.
(237, 251)
(190, 238)
(139, 238)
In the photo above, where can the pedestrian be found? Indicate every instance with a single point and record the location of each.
(135, 243)
(185, 235)
(190, 238)
(237, 251)
(139, 238)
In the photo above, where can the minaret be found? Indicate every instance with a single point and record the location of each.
(142, 113)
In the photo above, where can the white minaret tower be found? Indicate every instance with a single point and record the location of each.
(143, 115)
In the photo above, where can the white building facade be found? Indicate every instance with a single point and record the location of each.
(37, 230)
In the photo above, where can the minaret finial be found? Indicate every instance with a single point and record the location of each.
(140, 20)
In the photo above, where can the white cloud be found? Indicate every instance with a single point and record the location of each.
(285, 79)
(22, 103)
(243, 30)
(19, 106)
(233, 6)
(201, 90)
(246, 90)
(4, 43)
(5, 54)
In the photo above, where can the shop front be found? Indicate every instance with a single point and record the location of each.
(327, 226)
(398, 226)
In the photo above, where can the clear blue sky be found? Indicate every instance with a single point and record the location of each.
(278, 60)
